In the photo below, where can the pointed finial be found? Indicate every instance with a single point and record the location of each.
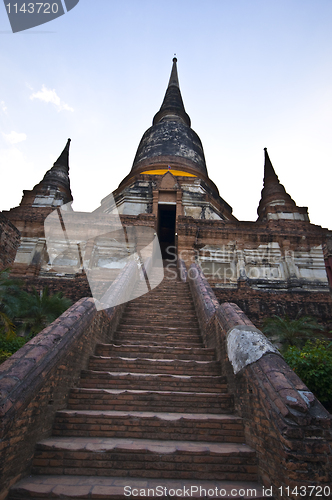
(63, 159)
(269, 173)
(174, 80)
(172, 104)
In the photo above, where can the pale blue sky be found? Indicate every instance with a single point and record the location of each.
(253, 74)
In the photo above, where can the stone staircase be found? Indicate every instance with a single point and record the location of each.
(151, 411)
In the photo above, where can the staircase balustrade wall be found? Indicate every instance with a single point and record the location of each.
(284, 422)
(35, 382)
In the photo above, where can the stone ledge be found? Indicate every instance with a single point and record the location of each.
(24, 372)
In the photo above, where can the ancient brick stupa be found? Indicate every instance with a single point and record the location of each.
(182, 389)
(168, 188)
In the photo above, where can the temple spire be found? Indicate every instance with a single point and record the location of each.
(172, 107)
(174, 79)
(57, 177)
(171, 142)
(275, 202)
(54, 188)
(269, 174)
(63, 160)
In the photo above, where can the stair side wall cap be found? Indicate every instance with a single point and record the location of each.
(246, 345)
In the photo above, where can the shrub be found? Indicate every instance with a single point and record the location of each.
(4, 355)
(9, 346)
(291, 332)
(39, 309)
(313, 364)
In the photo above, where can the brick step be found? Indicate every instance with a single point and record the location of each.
(168, 284)
(153, 336)
(148, 365)
(165, 295)
(165, 290)
(159, 401)
(166, 299)
(159, 322)
(124, 380)
(150, 400)
(176, 308)
(161, 302)
(161, 315)
(136, 351)
(162, 337)
(113, 488)
(163, 311)
(141, 339)
(149, 425)
(145, 458)
(160, 330)
(162, 289)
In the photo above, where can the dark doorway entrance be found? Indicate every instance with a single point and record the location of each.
(166, 230)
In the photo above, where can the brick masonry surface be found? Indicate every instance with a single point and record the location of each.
(258, 305)
(35, 382)
(73, 288)
(292, 437)
(9, 242)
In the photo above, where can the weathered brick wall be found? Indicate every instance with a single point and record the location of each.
(29, 220)
(35, 381)
(196, 236)
(72, 288)
(259, 305)
(9, 242)
(327, 249)
(292, 437)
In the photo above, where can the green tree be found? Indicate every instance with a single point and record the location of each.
(40, 309)
(291, 332)
(313, 364)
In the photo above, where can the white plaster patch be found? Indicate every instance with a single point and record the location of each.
(245, 345)
(194, 212)
(194, 189)
(308, 397)
(287, 216)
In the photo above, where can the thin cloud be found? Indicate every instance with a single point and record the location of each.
(3, 106)
(48, 95)
(14, 137)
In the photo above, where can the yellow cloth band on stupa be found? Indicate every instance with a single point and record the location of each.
(162, 171)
